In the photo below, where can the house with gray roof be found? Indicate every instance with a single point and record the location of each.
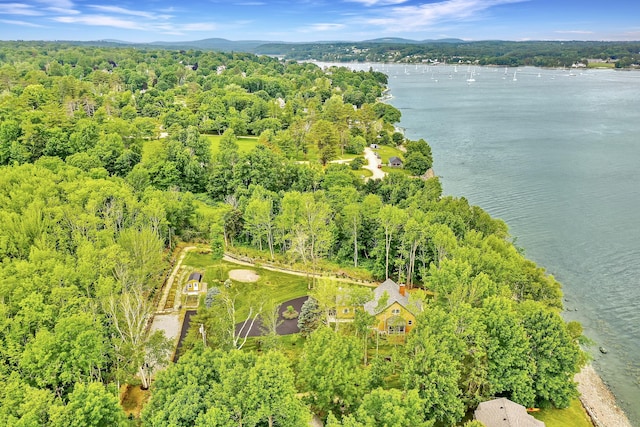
(394, 312)
(503, 412)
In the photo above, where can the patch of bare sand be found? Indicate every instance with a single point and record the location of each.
(598, 400)
(246, 276)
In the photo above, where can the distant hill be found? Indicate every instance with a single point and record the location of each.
(215, 44)
(258, 46)
(395, 49)
(398, 40)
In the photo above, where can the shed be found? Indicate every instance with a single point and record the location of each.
(193, 282)
(395, 162)
(503, 412)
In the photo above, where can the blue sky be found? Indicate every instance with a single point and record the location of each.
(310, 20)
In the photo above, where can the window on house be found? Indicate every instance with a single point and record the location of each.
(399, 329)
(395, 311)
(410, 322)
(345, 311)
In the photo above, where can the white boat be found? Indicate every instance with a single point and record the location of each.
(471, 79)
(514, 76)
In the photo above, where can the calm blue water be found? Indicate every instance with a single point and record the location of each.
(557, 157)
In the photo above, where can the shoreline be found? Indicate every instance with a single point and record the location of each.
(598, 400)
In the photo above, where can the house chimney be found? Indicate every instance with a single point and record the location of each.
(402, 289)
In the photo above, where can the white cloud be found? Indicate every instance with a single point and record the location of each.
(18, 9)
(199, 26)
(378, 2)
(62, 11)
(323, 27)
(22, 23)
(100, 21)
(123, 11)
(129, 24)
(60, 4)
(573, 32)
(420, 17)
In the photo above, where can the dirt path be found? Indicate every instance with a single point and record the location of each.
(172, 277)
(373, 163)
(230, 258)
(168, 321)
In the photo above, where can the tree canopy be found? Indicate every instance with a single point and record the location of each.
(110, 156)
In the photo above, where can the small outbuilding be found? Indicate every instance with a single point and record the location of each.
(194, 282)
(503, 412)
(395, 162)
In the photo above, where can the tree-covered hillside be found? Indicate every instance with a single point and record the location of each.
(489, 52)
(107, 161)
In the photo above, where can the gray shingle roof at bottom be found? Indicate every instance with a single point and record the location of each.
(504, 413)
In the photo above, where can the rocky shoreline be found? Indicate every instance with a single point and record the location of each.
(599, 401)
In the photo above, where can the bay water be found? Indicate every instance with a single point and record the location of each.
(556, 155)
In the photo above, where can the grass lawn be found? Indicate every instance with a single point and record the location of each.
(389, 169)
(386, 151)
(151, 148)
(313, 155)
(245, 143)
(132, 399)
(280, 287)
(362, 173)
(601, 65)
(573, 416)
(290, 345)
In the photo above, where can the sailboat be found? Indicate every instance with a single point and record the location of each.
(471, 79)
(514, 76)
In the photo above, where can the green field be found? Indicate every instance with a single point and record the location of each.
(389, 169)
(312, 155)
(151, 148)
(245, 143)
(573, 416)
(387, 151)
(362, 173)
(279, 287)
(601, 65)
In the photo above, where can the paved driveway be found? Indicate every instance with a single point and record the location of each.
(372, 164)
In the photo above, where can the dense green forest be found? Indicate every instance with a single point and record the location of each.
(107, 163)
(505, 53)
